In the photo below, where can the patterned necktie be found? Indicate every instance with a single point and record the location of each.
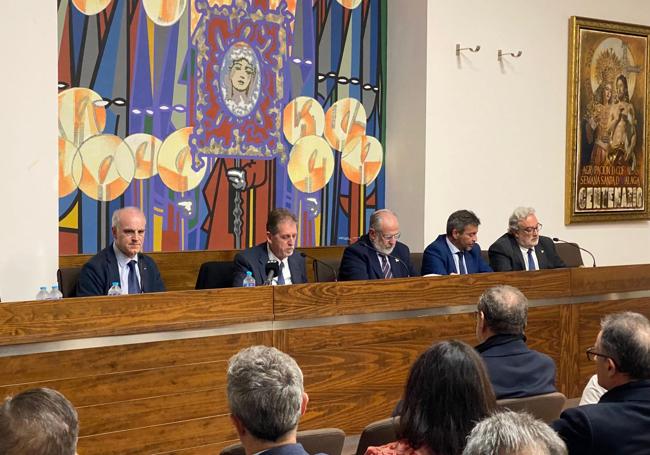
(531, 261)
(461, 264)
(385, 267)
(134, 286)
(281, 273)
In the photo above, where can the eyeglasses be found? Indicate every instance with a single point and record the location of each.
(391, 237)
(530, 230)
(592, 354)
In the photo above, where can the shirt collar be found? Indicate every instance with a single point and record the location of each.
(454, 249)
(123, 259)
(273, 257)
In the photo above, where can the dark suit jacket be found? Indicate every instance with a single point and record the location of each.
(286, 449)
(505, 254)
(618, 424)
(360, 262)
(514, 370)
(255, 259)
(438, 259)
(101, 271)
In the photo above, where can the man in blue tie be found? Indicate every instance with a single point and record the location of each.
(456, 252)
(122, 261)
(522, 248)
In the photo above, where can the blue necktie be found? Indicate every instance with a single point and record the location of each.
(531, 261)
(281, 273)
(461, 264)
(385, 267)
(134, 286)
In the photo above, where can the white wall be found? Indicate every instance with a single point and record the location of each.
(28, 182)
(495, 135)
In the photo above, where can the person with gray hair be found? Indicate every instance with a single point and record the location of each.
(456, 252)
(620, 422)
(513, 433)
(38, 422)
(266, 398)
(378, 254)
(122, 261)
(515, 370)
(522, 248)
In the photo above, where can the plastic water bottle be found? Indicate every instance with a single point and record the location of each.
(42, 294)
(115, 289)
(249, 281)
(55, 294)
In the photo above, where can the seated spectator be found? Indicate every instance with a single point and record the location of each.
(266, 398)
(38, 422)
(446, 393)
(514, 369)
(513, 433)
(456, 252)
(620, 422)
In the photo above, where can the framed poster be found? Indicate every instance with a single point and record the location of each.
(607, 122)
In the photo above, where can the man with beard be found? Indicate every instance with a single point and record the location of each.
(377, 254)
(456, 252)
(522, 248)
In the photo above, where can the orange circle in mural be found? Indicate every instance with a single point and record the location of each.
(90, 7)
(106, 167)
(344, 120)
(145, 148)
(311, 164)
(175, 162)
(303, 116)
(164, 12)
(349, 4)
(81, 114)
(361, 159)
(67, 154)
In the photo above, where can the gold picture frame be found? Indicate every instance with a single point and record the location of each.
(607, 121)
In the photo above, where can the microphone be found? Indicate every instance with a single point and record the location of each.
(555, 239)
(272, 269)
(315, 259)
(395, 258)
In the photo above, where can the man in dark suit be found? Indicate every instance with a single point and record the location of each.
(457, 251)
(122, 261)
(522, 248)
(620, 422)
(281, 234)
(377, 254)
(514, 369)
(266, 399)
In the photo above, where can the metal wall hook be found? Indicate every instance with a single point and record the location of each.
(501, 54)
(458, 49)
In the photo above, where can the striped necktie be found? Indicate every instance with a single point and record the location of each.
(385, 267)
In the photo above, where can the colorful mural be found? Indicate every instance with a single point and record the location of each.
(209, 113)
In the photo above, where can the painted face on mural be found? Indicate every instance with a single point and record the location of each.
(241, 75)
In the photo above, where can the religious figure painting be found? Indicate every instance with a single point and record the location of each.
(607, 121)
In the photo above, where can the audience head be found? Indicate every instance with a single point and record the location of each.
(513, 433)
(128, 225)
(38, 422)
(462, 229)
(384, 230)
(622, 349)
(265, 394)
(502, 310)
(281, 232)
(524, 227)
(446, 393)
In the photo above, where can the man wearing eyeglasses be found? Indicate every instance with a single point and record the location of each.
(377, 254)
(457, 251)
(522, 248)
(122, 261)
(620, 422)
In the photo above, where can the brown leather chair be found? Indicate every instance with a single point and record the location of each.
(215, 274)
(416, 262)
(378, 433)
(545, 407)
(324, 440)
(67, 278)
(323, 273)
(570, 254)
(486, 257)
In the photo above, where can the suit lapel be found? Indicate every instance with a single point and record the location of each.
(517, 255)
(143, 274)
(541, 257)
(296, 274)
(113, 269)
